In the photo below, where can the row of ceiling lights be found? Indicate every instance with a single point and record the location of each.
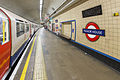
(41, 5)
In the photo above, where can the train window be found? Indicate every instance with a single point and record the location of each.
(27, 27)
(4, 29)
(20, 28)
(32, 26)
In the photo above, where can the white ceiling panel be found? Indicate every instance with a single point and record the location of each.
(51, 5)
(29, 9)
(54, 4)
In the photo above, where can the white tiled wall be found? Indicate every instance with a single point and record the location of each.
(110, 44)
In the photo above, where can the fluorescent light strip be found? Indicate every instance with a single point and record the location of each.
(41, 2)
(41, 5)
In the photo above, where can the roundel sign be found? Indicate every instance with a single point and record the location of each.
(93, 32)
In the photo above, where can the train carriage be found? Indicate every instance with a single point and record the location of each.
(15, 33)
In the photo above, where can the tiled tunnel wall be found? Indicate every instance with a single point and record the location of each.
(110, 43)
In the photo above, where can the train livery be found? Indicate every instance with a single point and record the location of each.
(15, 32)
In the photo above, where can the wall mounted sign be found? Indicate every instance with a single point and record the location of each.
(116, 14)
(56, 21)
(60, 25)
(72, 30)
(92, 11)
(56, 27)
(93, 32)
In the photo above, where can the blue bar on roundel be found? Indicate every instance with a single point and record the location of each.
(94, 32)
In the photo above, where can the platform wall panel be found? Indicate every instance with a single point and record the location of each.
(110, 43)
(67, 30)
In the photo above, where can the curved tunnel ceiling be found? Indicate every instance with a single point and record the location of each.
(51, 7)
(29, 9)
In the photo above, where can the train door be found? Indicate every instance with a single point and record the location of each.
(73, 30)
(27, 26)
(30, 29)
(25, 34)
(5, 43)
(66, 29)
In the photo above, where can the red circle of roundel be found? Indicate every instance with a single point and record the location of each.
(96, 26)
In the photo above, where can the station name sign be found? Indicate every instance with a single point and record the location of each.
(94, 32)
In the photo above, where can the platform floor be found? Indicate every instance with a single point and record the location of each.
(62, 61)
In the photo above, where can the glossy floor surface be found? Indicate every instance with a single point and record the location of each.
(63, 61)
(66, 62)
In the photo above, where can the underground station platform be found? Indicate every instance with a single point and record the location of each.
(48, 57)
(60, 40)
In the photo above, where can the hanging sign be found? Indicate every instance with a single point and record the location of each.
(56, 21)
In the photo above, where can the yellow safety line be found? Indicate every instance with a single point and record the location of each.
(27, 62)
(3, 31)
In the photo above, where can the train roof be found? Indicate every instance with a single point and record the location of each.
(13, 16)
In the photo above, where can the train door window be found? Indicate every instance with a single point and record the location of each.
(4, 28)
(32, 26)
(18, 28)
(27, 27)
(22, 28)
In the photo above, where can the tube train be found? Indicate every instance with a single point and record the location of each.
(15, 33)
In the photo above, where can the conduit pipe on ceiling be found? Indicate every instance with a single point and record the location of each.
(63, 8)
(58, 7)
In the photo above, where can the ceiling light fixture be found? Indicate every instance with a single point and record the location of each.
(41, 5)
(41, 2)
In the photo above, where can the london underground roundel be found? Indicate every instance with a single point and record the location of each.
(93, 32)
